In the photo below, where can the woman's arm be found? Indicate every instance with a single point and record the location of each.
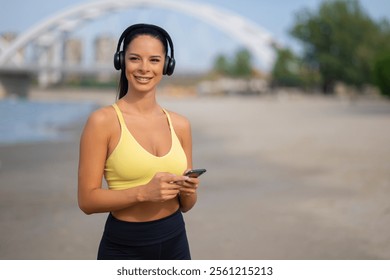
(187, 195)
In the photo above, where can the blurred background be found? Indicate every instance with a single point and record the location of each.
(289, 104)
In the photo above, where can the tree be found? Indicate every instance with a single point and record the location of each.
(221, 65)
(286, 69)
(382, 74)
(239, 66)
(242, 66)
(342, 40)
(291, 71)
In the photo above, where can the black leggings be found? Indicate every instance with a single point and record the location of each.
(163, 239)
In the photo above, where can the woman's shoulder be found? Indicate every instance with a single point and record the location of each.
(102, 117)
(182, 127)
(179, 121)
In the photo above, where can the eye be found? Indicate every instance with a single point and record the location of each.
(133, 58)
(155, 60)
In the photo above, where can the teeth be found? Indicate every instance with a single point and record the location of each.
(143, 79)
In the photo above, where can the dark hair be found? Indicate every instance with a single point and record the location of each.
(123, 83)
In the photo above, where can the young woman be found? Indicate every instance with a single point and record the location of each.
(142, 150)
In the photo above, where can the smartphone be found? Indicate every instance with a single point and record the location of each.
(195, 173)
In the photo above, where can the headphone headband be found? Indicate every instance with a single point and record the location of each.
(169, 60)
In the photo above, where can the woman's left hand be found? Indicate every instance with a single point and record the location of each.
(188, 187)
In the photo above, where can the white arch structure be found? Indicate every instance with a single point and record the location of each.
(257, 40)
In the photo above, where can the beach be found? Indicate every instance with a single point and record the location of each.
(289, 177)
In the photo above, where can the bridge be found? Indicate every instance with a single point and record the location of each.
(52, 31)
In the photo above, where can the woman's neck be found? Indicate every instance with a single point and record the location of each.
(141, 103)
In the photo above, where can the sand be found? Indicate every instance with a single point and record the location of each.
(289, 177)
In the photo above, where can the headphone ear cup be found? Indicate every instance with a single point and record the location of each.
(119, 60)
(169, 66)
(166, 63)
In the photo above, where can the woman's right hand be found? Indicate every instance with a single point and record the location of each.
(162, 187)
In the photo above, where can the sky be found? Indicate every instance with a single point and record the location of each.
(196, 43)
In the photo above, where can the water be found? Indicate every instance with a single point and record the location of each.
(25, 121)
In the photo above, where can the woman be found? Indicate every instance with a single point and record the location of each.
(142, 151)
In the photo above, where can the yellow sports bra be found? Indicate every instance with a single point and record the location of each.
(130, 165)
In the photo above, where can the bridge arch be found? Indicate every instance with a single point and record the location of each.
(257, 40)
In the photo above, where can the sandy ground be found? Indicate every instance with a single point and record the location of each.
(289, 177)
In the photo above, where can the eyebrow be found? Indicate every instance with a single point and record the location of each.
(150, 56)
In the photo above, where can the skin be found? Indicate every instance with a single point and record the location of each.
(165, 193)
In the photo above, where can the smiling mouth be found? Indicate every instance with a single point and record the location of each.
(142, 79)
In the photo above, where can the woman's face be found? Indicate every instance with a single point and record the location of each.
(144, 61)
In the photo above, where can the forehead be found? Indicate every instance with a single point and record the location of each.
(145, 43)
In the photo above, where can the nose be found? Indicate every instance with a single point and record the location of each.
(144, 66)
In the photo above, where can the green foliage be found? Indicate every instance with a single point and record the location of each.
(239, 66)
(382, 74)
(290, 71)
(286, 69)
(91, 83)
(342, 40)
(221, 65)
(242, 66)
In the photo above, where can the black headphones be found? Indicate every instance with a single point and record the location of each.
(119, 60)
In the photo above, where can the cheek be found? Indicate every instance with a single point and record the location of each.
(130, 66)
(158, 68)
